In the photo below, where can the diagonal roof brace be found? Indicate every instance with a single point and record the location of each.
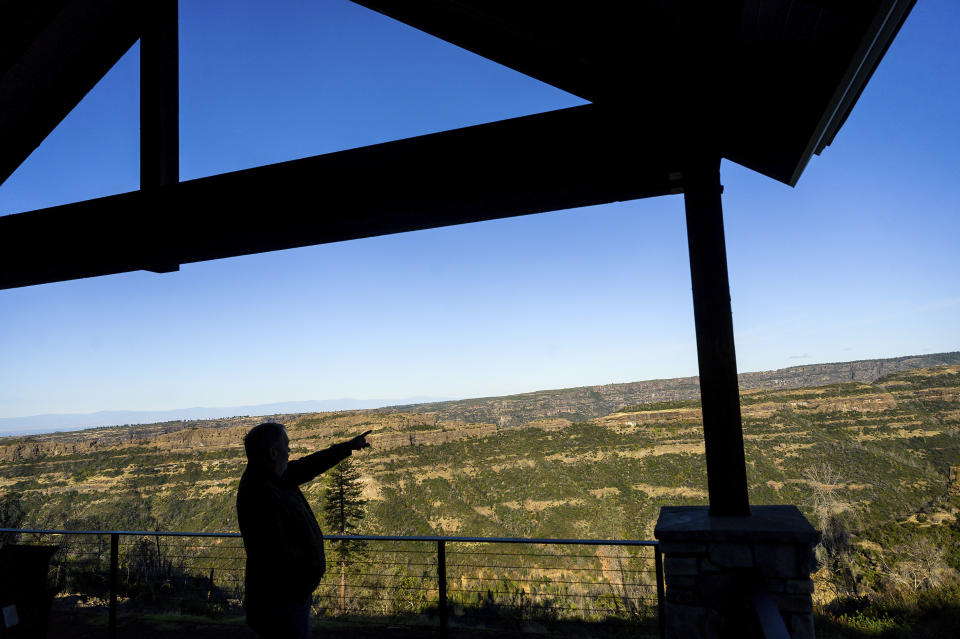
(52, 53)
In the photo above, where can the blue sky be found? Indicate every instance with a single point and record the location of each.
(858, 261)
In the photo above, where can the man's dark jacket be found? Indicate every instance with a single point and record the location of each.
(283, 541)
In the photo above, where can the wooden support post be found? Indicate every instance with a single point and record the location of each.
(719, 391)
(159, 95)
(159, 111)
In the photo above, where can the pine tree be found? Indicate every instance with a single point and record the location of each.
(343, 509)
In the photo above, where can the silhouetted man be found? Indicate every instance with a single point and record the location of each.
(280, 533)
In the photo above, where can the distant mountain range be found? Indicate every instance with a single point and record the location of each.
(45, 423)
(575, 404)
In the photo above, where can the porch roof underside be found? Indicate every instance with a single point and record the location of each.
(763, 83)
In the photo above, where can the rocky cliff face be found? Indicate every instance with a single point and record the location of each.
(570, 404)
(166, 436)
(588, 402)
(28, 450)
(867, 371)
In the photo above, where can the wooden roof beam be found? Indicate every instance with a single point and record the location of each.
(563, 159)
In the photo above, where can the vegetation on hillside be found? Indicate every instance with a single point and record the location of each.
(867, 463)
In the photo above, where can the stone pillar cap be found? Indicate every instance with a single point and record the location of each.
(765, 524)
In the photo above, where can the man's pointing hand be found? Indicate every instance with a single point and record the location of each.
(359, 442)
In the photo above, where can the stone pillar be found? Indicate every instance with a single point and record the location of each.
(713, 565)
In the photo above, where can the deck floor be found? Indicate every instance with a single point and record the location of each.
(92, 624)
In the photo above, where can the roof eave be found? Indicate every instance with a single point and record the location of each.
(876, 40)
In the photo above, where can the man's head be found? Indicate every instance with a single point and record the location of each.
(268, 447)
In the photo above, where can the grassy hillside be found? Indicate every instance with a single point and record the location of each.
(870, 460)
(889, 445)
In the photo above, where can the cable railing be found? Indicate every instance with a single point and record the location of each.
(443, 582)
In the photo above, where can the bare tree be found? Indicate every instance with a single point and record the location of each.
(834, 516)
(921, 565)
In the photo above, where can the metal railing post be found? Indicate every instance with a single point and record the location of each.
(442, 582)
(658, 562)
(114, 579)
(642, 592)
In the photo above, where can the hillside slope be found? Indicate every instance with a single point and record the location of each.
(587, 402)
(570, 404)
(885, 448)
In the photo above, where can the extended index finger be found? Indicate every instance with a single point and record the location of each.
(366, 433)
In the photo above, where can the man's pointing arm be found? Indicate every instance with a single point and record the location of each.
(304, 469)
